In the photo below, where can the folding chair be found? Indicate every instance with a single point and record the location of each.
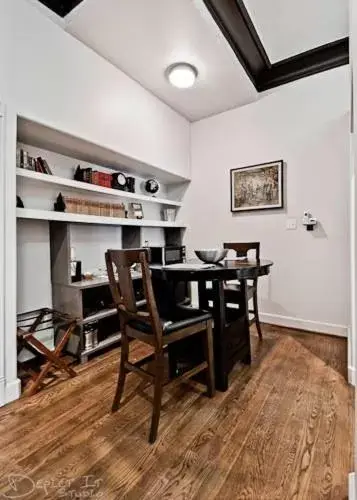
(31, 323)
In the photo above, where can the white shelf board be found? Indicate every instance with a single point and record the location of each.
(106, 313)
(112, 339)
(93, 283)
(45, 136)
(85, 186)
(29, 213)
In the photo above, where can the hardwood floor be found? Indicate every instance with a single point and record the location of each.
(283, 430)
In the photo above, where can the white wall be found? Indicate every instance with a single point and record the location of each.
(353, 339)
(48, 76)
(306, 124)
(56, 80)
(353, 59)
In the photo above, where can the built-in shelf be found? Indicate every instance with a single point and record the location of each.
(102, 345)
(85, 186)
(92, 283)
(107, 313)
(30, 213)
(44, 136)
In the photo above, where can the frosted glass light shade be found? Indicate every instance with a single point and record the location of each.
(182, 75)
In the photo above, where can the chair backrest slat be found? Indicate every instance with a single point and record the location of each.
(242, 249)
(122, 287)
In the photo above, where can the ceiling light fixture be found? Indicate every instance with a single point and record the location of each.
(182, 75)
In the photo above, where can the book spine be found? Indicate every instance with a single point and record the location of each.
(19, 163)
(88, 175)
(25, 159)
(95, 177)
(47, 168)
(37, 165)
(41, 165)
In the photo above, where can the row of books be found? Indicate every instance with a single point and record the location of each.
(93, 177)
(24, 160)
(82, 206)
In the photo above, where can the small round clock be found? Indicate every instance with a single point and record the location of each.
(152, 186)
(121, 179)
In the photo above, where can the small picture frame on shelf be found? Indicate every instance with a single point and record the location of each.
(136, 211)
(169, 214)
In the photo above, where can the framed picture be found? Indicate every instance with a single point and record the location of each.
(257, 187)
(136, 211)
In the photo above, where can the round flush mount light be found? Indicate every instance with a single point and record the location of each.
(182, 75)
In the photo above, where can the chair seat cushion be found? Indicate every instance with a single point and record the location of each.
(181, 318)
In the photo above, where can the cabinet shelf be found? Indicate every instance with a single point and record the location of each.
(93, 283)
(85, 186)
(103, 344)
(45, 136)
(29, 213)
(107, 313)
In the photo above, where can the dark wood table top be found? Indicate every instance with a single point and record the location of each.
(225, 270)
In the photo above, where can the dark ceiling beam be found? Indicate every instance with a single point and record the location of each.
(308, 63)
(61, 7)
(233, 20)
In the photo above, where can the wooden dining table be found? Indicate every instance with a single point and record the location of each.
(231, 325)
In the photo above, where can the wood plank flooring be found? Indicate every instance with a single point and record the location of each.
(283, 430)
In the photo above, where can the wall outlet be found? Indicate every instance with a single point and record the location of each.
(291, 224)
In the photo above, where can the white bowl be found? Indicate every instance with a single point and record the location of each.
(212, 256)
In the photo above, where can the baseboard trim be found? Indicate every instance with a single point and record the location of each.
(303, 324)
(352, 375)
(12, 391)
(352, 486)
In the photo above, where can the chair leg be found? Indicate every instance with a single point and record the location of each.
(256, 315)
(158, 385)
(124, 356)
(208, 347)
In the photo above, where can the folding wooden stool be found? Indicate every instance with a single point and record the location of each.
(32, 322)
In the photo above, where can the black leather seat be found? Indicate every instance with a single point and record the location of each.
(181, 317)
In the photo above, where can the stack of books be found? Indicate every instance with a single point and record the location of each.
(93, 177)
(102, 179)
(88, 207)
(24, 160)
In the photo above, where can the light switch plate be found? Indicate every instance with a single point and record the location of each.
(291, 224)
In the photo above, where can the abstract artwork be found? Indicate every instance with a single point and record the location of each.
(257, 187)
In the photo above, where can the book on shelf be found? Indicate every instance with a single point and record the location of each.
(46, 167)
(91, 176)
(83, 174)
(28, 162)
(95, 177)
(88, 207)
(39, 165)
(88, 175)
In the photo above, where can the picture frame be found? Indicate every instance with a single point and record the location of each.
(136, 211)
(257, 187)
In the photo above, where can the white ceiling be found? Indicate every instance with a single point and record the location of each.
(143, 37)
(288, 27)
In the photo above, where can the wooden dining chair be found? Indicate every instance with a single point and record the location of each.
(232, 290)
(149, 327)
